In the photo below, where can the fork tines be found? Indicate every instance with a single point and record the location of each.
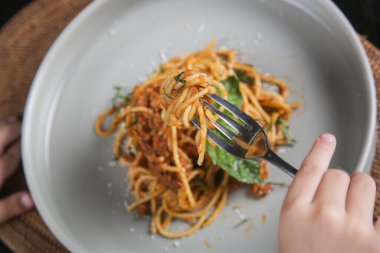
(235, 111)
(245, 132)
(232, 148)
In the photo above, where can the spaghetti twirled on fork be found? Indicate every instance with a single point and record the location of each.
(180, 96)
(171, 175)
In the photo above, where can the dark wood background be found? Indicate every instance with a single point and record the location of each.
(363, 14)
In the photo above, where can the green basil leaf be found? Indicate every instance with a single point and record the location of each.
(246, 171)
(243, 76)
(232, 87)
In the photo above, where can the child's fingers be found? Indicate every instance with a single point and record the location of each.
(361, 196)
(10, 130)
(312, 169)
(10, 161)
(333, 189)
(14, 205)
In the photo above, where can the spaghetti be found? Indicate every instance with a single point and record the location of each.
(180, 96)
(171, 175)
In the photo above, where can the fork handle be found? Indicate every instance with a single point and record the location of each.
(273, 158)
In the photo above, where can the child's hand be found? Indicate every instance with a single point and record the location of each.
(326, 210)
(10, 156)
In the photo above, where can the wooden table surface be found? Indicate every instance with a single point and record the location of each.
(363, 14)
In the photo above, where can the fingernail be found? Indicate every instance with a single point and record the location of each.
(26, 201)
(11, 120)
(328, 138)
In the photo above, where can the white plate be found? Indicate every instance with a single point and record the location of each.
(80, 195)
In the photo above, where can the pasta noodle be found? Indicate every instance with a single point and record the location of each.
(170, 173)
(181, 94)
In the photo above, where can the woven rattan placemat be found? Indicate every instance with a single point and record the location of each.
(23, 43)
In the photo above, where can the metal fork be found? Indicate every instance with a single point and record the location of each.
(248, 133)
